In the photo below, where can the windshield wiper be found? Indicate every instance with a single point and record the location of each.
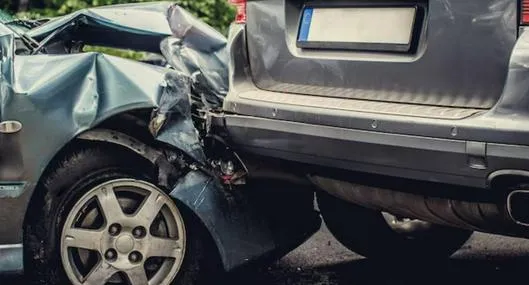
(27, 24)
(32, 44)
(51, 36)
(29, 41)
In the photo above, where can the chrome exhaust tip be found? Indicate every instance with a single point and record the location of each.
(518, 206)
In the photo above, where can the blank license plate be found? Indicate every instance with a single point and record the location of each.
(357, 27)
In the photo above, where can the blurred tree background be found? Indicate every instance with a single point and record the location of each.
(217, 13)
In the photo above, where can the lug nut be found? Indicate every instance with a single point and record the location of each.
(114, 229)
(111, 255)
(135, 257)
(139, 232)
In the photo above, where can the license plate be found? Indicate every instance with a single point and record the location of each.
(371, 28)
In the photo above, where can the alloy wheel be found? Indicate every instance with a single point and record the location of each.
(123, 231)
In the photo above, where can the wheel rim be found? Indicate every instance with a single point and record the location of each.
(123, 231)
(409, 227)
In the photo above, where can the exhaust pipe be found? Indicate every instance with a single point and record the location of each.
(518, 206)
(11, 162)
(491, 216)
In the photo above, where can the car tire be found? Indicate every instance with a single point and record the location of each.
(368, 233)
(191, 261)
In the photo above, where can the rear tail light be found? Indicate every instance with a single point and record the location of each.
(240, 17)
(524, 15)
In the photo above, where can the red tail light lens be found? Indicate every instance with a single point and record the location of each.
(240, 17)
(524, 17)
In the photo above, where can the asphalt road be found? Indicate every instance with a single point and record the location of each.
(485, 259)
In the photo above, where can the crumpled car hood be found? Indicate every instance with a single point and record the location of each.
(116, 17)
(75, 92)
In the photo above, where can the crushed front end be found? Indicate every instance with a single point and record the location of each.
(60, 95)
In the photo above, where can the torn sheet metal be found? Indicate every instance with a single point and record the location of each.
(172, 122)
(242, 224)
(197, 50)
(199, 56)
(243, 237)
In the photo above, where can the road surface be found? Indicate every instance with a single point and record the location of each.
(484, 260)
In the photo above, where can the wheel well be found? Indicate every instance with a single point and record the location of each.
(133, 124)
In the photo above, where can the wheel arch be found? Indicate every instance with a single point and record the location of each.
(129, 132)
(230, 221)
(75, 143)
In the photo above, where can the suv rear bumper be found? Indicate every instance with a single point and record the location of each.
(466, 163)
(467, 149)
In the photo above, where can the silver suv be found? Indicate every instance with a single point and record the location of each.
(412, 116)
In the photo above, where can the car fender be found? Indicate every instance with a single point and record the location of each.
(238, 234)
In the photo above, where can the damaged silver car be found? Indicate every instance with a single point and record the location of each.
(112, 170)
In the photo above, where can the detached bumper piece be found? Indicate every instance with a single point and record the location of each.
(252, 222)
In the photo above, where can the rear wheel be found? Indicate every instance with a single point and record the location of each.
(103, 221)
(383, 236)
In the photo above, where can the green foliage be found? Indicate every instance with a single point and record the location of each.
(4, 17)
(37, 14)
(217, 13)
(6, 4)
(130, 54)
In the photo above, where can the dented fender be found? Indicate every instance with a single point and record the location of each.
(238, 234)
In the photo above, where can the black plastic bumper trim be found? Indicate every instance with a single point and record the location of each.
(406, 156)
